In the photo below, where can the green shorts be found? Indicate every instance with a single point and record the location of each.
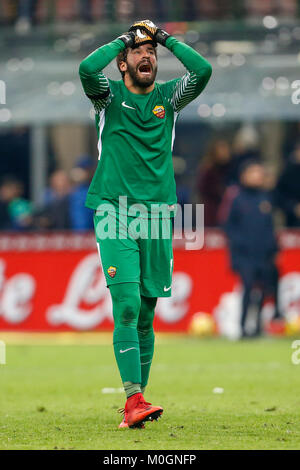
(136, 250)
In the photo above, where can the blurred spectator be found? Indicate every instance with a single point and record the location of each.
(81, 218)
(110, 7)
(270, 179)
(213, 179)
(288, 189)
(15, 154)
(59, 186)
(5, 222)
(55, 213)
(160, 10)
(176, 10)
(190, 10)
(16, 211)
(26, 15)
(245, 147)
(252, 243)
(85, 10)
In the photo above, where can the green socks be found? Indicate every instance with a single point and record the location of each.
(133, 336)
(127, 353)
(146, 355)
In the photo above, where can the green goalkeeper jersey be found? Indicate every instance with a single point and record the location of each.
(136, 131)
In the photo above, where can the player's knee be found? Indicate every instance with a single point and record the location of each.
(145, 323)
(146, 317)
(129, 310)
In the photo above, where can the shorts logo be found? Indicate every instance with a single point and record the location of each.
(159, 111)
(112, 271)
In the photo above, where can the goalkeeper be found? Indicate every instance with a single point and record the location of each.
(135, 120)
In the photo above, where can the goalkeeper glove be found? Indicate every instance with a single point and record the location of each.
(159, 35)
(145, 25)
(128, 38)
(136, 38)
(143, 37)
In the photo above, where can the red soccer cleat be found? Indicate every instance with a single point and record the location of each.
(137, 411)
(124, 423)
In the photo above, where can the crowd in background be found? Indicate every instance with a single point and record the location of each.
(27, 12)
(240, 194)
(216, 183)
(61, 207)
(219, 177)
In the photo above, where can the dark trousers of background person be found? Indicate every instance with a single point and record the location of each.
(259, 279)
(27, 8)
(85, 10)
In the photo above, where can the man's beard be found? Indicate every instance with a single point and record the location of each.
(142, 82)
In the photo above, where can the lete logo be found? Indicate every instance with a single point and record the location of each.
(86, 302)
(87, 285)
(16, 295)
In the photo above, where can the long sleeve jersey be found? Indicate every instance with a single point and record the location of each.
(136, 131)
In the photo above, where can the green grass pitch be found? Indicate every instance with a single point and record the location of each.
(51, 397)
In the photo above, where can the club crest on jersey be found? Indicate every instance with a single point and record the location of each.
(112, 270)
(159, 111)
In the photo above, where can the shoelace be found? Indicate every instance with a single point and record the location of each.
(144, 402)
(122, 410)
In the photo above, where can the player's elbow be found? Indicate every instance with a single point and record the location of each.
(207, 70)
(82, 68)
(204, 72)
(85, 68)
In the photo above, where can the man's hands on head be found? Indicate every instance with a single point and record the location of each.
(142, 32)
(145, 25)
(128, 38)
(161, 36)
(142, 37)
(155, 33)
(136, 38)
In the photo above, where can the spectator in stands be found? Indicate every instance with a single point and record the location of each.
(55, 213)
(26, 15)
(85, 10)
(160, 10)
(16, 211)
(288, 189)
(213, 178)
(81, 218)
(252, 243)
(245, 147)
(59, 186)
(5, 222)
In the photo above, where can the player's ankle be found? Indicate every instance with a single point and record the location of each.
(131, 388)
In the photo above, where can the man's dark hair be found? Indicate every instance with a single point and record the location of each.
(10, 180)
(122, 57)
(247, 164)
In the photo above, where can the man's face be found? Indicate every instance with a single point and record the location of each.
(253, 176)
(141, 65)
(9, 191)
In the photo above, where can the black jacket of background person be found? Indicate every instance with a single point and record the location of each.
(5, 222)
(249, 228)
(288, 193)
